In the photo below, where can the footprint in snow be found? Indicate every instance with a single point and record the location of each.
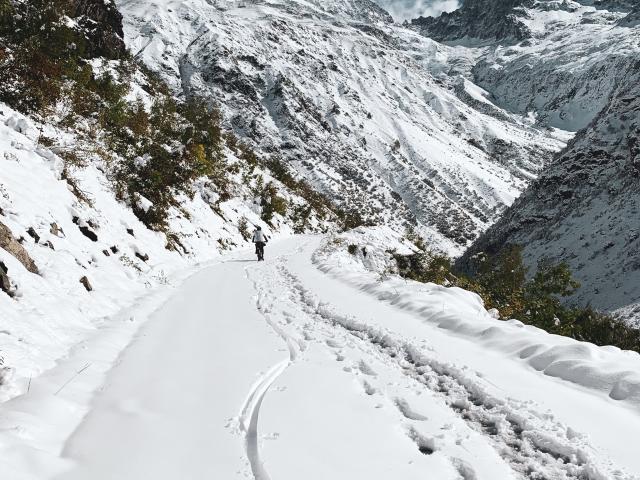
(408, 412)
(366, 369)
(426, 445)
(368, 388)
(464, 469)
(333, 343)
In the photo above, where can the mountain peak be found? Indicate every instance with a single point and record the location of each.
(480, 19)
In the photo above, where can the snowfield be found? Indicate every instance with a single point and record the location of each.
(320, 364)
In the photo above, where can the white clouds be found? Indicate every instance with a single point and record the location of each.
(408, 9)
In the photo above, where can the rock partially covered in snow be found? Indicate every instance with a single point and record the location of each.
(11, 245)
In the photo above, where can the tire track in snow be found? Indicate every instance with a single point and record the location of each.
(250, 412)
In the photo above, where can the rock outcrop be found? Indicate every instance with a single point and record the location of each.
(102, 24)
(585, 208)
(5, 283)
(12, 246)
(479, 19)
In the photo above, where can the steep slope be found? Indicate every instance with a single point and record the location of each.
(372, 114)
(578, 69)
(109, 187)
(585, 208)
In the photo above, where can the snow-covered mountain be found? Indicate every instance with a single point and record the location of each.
(373, 114)
(573, 65)
(139, 338)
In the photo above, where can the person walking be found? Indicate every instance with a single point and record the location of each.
(260, 239)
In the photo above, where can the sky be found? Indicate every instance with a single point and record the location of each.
(408, 9)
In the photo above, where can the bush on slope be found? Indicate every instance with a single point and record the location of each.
(59, 67)
(502, 282)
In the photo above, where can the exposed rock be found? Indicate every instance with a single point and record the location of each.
(32, 233)
(144, 257)
(11, 245)
(102, 23)
(85, 229)
(479, 19)
(56, 230)
(5, 283)
(86, 284)
(632, 19)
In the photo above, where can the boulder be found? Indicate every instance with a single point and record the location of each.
(86, 284)
(5, 284)
(11, 245)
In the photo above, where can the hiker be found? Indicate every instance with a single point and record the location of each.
(260, 239)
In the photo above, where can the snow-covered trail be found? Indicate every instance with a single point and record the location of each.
(166, 409)
(277, 371)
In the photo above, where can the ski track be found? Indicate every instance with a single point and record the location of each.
(250, 411)
(532, 443)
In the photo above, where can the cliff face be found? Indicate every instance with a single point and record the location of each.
(585, 209)
(478, 19)
(102, 23)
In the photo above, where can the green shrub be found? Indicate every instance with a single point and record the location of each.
(272, 203)
(301, 216)
(503, 277)
(352, 249)
(425, 267)
(501, 281)
(243, 228)
(589, 325)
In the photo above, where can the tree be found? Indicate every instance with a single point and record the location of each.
(543, 293)
(503, 276)
(272, 203)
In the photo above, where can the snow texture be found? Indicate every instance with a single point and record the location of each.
(289, 372)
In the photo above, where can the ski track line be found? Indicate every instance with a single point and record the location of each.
(250, 411)
(509, 426)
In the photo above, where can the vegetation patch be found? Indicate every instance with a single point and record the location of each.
(502, 281)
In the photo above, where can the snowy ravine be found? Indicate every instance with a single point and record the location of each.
(376, 116)
(317, 364)
(573, 65)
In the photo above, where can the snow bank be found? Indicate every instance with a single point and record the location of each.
(609, 370)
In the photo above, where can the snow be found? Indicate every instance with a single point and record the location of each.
(332, 89)
(317, 363)
(280, 370)
(51, 312)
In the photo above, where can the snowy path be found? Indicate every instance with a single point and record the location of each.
(277, 371)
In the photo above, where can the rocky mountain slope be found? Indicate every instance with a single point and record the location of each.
(559, 61)
(576, 67)
(110, 188)
(372, 114)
